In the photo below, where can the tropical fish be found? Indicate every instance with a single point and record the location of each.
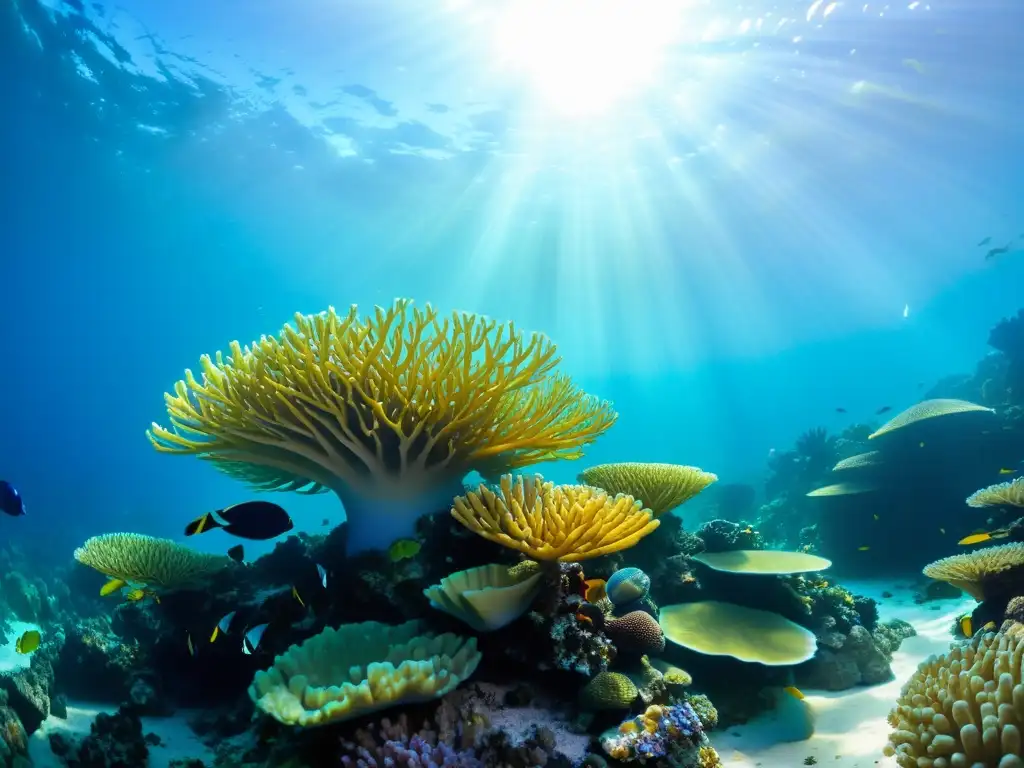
(191, 648)
(840, 410)
(295, 594)
(322, 573)
(1007, 471)
(966, 626)
(28, 642)
(252, 638)
(237, 553)
(747, 530)
(593, 590)
(404, 549)
(985, 241)
(883, 409)
(222, 626)
(11, 502)
(875, 516)
(997, 251)
(978, 538)
(942, 531)
(112, 586)
(139, 594)
(921, 444)
(258, 520)
(863, 549)
(795, 692)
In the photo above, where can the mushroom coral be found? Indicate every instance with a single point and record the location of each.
(390, 412)
(748, 634)
(567, 523)
(361, 668)
(978, 571)
(661, 487)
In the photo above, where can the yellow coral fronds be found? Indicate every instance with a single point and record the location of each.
(971, 570)
(661, 487)
(146, 560)
(403, 393)
(548, 522)
(361, 668)
(927, 409)
(962, 708)
(1002, 494)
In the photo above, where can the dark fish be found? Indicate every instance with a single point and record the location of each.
(999, 251)
(840, 410)
(259, 520)
(883, 409)
(985, 241)
(11, 502)
(326, 521)
(237, 553)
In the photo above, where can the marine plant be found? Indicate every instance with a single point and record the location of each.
(390, 411)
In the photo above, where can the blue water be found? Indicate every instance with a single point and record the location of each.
(725, 251)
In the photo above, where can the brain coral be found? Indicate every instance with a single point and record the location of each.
(636, 632)
(962, 709)
(390, 412)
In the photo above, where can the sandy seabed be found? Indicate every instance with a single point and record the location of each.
(851, 728)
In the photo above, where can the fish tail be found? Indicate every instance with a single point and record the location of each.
(202, 524)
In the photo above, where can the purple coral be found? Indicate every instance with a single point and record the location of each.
(413, 752)
(657, 733)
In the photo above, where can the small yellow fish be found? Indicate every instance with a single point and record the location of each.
(191, 648)
(875, 516)
(593, 590)
(795, 692)
(978, 538)
(965, 625)
(863, 549)
(141, 594)
(112, 586)
(295, 594)
(747, 530)
(28, 642)
(1005, 471)
(404, 549)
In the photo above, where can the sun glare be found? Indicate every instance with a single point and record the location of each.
(582, 56)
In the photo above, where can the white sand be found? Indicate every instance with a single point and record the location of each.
(851, 729)
(178, 740)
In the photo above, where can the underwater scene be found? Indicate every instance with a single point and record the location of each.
(512, 384)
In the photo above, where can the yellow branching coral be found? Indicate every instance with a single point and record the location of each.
(965, 708)
(661, 487)
(1002, 494)
(361, 668)
(146, 560)
(548, 522)
(860, 461)
(974, 571)
(927, 409)
(390, 412)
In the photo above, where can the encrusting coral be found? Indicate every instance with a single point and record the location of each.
(567, 523)
(390, 412)
(486, 598)
(976, 572)
(661, 487)
(1009, 494)
(361, 668)
(154, 562)
(964, 708)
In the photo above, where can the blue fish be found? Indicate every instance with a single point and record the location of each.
(252, 638)
(11, 502)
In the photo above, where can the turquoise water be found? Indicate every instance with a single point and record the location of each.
(718, 212)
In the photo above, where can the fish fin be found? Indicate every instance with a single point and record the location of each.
(202, 524)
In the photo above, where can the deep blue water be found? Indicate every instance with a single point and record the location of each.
(725, 252)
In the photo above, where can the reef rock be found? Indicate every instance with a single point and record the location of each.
(114, 741)
(856, 658)
(28, 692)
